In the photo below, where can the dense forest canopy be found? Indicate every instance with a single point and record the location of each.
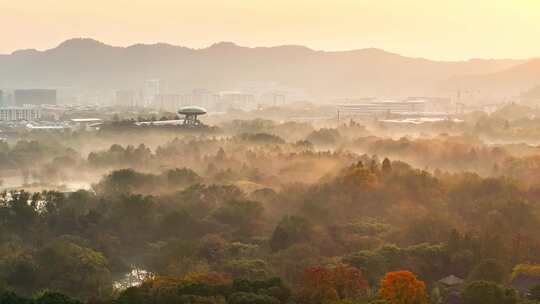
(257, 211)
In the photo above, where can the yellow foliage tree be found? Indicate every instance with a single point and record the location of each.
(526, 269)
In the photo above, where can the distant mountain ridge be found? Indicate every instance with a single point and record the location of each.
(517, 79)
(88, 63)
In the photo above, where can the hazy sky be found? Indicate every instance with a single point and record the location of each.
(438, 29)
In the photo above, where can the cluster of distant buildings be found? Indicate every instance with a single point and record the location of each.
(41, 109)
(32, 105)
(24, 104)
(152, 96)
(29, 104)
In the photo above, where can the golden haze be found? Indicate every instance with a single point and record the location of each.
(456, 29)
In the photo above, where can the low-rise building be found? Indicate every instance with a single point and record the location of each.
(382, 108)
(19, 114)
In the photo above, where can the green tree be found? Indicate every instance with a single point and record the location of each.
(49, 297)
(324, 137)
(245, 217)
(73, 269)
(289, 231)
(534, 293)
(253, 269)
(482, 292)
(386, 167)
(489, 270)
(251, 298)
(9, 297)
(182, 177)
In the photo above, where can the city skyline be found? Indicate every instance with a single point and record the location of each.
(457, 30)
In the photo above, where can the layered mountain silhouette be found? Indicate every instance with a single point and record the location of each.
(86, 63)
(516, 80)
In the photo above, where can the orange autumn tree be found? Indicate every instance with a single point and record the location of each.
(402, 287)
(323, 284)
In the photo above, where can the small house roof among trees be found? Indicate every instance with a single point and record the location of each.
(451, 280)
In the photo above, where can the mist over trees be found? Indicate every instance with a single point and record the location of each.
(258, 211)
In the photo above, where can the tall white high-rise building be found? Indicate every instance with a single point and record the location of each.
(151, 90)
